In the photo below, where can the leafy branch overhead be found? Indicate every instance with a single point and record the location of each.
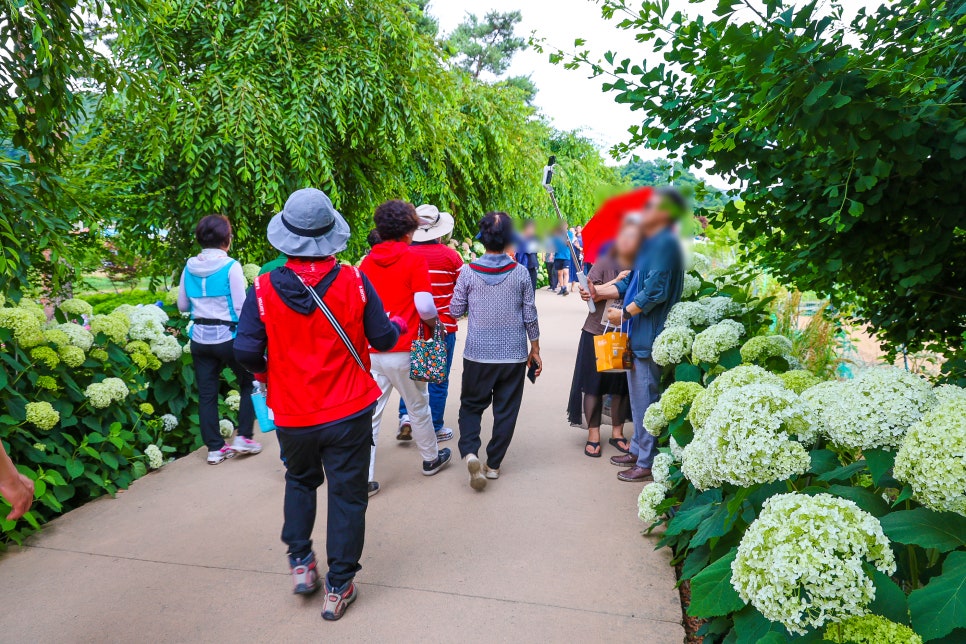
(845, 141)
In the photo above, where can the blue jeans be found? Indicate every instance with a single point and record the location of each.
(438, 392)
(644, 382)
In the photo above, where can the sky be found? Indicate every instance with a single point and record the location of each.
(569, 98)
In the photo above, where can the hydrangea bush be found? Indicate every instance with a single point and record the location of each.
(800, 562)
(91, 402)
(932, 458)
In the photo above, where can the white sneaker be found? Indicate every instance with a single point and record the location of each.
(491, 473)
(220, 455)
(244, 445)
(477, 482)
(444, 434)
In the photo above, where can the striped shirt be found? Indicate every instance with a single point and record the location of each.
(444, 267)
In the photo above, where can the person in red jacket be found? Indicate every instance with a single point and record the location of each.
(401, 278)
(319, 385)
(444, 267)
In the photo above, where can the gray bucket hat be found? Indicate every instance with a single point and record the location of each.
(308, 226)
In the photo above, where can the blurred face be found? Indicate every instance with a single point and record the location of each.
(655, 214)
(628, 239)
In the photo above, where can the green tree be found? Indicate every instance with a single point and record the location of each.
(657, 173)
(848, 142)
(486, 45)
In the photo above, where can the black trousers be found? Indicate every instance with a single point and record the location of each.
(551, 275)
(209, 361)
(500, 384)
(341, 452)
(533, 277)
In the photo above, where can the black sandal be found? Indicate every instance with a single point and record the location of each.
(616, 442)
(591, 454)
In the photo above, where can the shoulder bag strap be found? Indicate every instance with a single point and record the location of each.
(334, 322)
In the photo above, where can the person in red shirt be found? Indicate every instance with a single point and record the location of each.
(401, 278)
(320, 388)
(444, 267)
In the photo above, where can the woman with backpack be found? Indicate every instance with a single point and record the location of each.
(212, 291)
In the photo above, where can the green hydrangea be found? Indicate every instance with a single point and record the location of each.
(137, 346)
(114, 326)
(76, 308)
(798, 380)
(760, 348)
(47, 382)
(100, 354)
(166, 348)
(704, 403)
(678, 396)
(78, 335)
(146, 361)
(33, 309)
(871, 629)
(233, 400)
(672, 345)
(931, 458)
(654, 420)
(25, 326)
(102, 394)
(715, 340)
(171, 296)
(72, 356)
(45, 356)
(250, 271)
(42, 415)
(56, 337)
(146, 408)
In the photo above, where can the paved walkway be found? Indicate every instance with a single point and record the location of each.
(551, 552)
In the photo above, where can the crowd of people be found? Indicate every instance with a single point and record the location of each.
(331, 342)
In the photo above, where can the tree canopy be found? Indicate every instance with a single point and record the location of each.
(661, 172)
(846, 142)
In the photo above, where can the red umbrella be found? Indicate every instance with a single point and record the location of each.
(605, 224)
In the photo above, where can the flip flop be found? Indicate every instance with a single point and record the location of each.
(591, 454)
(616, 442)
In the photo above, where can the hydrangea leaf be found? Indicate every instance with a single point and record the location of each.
(880, 461)
(682, 431)
(865, 499)
(687, 373)
(751, 627)
(688, 519)
(711, 591)
(843, 473)
(696, 560)
(823, 461)
(730, 358)
(718, 524)
(890, 602)
(927, 528)
(940, 607)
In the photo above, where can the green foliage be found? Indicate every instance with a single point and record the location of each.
(486, 45)
(940, 607)
(849, 142)
(661, 173)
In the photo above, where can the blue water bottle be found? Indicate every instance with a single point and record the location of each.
(266, 419)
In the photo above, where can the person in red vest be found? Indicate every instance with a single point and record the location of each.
(315, 319)
(401, 278)
(444, 267)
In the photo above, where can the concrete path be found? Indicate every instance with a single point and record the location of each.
(551, 552)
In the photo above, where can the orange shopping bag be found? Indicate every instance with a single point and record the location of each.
(611, 349)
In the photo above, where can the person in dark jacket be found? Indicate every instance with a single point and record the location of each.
(648, 293)
(527, 252)
(319, 386)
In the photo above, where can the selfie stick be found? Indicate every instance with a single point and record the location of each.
(548, 184)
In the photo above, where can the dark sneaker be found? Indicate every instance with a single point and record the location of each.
(431, 467)
(305, 576)
(373, 488)
(635, 475)
(336, 602)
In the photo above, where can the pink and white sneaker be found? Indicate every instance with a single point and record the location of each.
(243, 445)
(217, 456)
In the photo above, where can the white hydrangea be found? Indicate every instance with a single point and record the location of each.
(720, 307)
(250, 271)
(704, 403)
(945, 393)
(146, 329)
(78, 335)
(661, 468)
(762, 347)
(688, 314)
(225, 428)
(166, 348)
(102, 394)
(651, 496)
(169, 422)
(155, 457)
(691, 287)
(233, 400)
(677, 397)
(672, 345)
(676, 450)
(800, 562)
(872, 411)
(932, 458)
(715, 340)
(698, 262)
(749, 438)
(145, 312)
(654, 420)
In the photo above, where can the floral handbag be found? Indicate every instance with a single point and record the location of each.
(427, 358)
